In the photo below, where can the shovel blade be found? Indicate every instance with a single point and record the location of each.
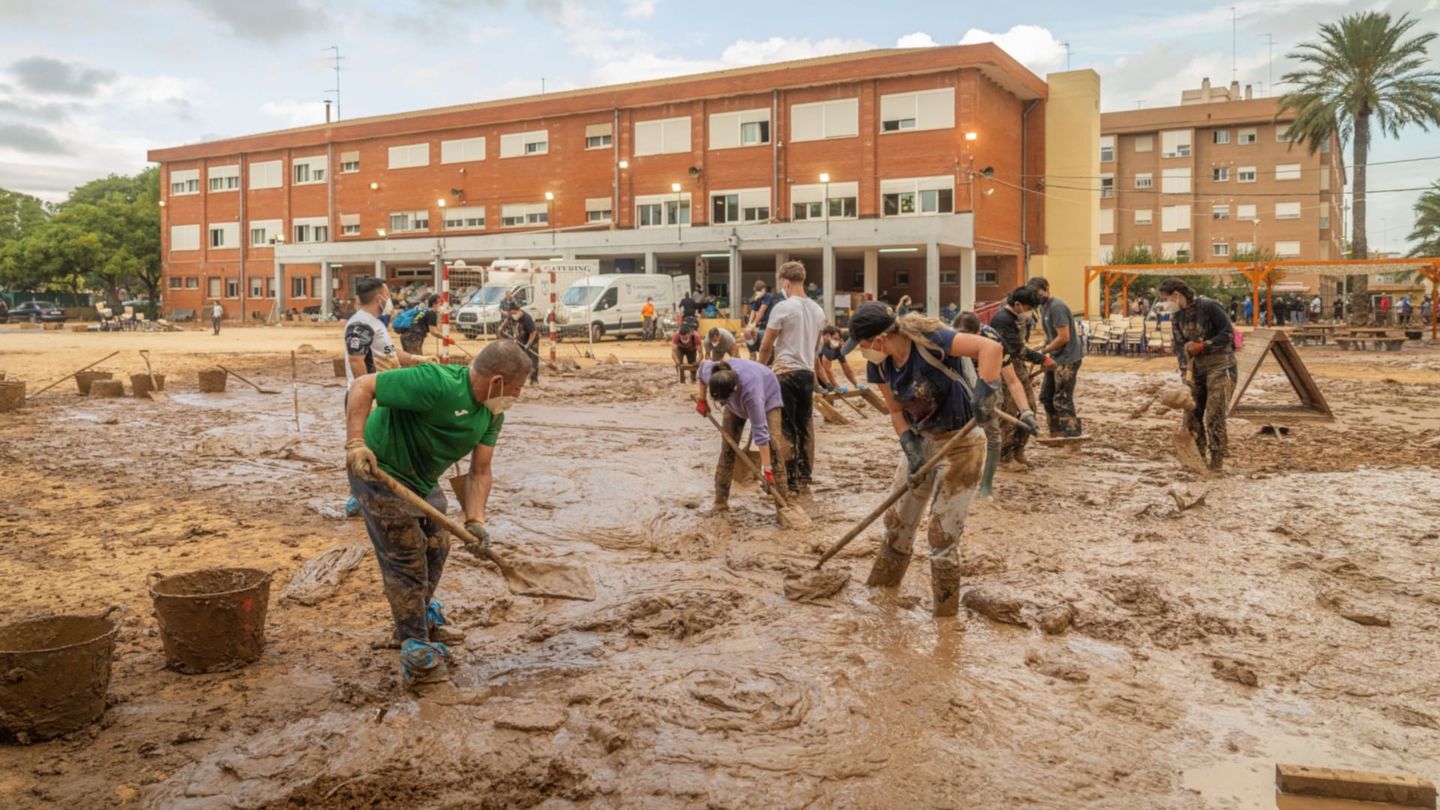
(1186, 450)
(548, 580)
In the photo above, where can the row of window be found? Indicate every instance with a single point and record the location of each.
(1285, 249)
(899, 112)
(260, 286)
(1177, 217)
(1177, 142)
(1178, 180)
(919, 196)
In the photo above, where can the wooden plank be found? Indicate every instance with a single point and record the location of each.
(1272, 342)
(828, 411)
(1363, 786)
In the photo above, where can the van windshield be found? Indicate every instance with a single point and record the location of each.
(580, 296)
(489, 294)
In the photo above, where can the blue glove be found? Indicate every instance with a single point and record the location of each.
(987, 400)
(914, 452)
(860, 387)
(844, 389)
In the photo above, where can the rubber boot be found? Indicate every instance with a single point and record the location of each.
(945, 587)
(889, 568)
(992, 461)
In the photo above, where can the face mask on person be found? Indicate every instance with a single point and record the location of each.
(387, 307)
(515, 316)
(501, 403)
(873, 353)
(834, 344)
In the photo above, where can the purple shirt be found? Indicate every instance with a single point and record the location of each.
(758, 393)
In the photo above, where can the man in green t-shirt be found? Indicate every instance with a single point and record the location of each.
(428, 417)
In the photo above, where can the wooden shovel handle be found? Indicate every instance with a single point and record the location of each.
(72, 374)
(775, 490)
(451, 525)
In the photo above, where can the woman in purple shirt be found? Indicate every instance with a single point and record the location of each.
(748, 392)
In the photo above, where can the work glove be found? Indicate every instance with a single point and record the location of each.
(914, 452)
(860, 387)
(1049, 363)
(360, 460)
(702, 407)
(477, 530)
(1195, 347)
(987, 399)
(1027, 418)
(768, 473)
(844, 389)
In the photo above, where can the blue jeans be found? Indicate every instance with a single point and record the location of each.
(411, 551)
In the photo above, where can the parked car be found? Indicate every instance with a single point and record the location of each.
(42, 311)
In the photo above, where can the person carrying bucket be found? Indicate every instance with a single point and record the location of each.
(429, 417)
(748, 392)
(915, 362)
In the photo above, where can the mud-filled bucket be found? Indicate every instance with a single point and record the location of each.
(339, 365)
(140, 384)
(85, 378)
(212, 380)
(54, 672)
(107, 389)
(12, 394)
(211, 620)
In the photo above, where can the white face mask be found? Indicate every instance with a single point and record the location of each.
(873, 354)
(388, 307)
(502, 403)
(834, 344)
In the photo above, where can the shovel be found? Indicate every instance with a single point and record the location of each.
(156, 395)
(247, 382)
(791, 518)
(910, 482)
(525, 578)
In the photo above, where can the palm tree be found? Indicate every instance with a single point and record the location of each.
(1362, 67)
(1427, 223)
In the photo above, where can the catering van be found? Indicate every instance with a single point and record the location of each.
(611, 304)
(531, 285)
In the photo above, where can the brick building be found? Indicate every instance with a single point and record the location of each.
(1214, 178)
(719, 176)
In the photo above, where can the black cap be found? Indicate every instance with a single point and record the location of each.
(870, 319)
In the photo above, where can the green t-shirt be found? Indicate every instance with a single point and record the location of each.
(426, 421)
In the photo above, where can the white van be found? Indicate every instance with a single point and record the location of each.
(531, 285)
(611, 304)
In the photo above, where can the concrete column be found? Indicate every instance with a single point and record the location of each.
(279, 287)
(872, 273)
(780, 258)
(737, 295)
(967, 279)
(327, 295)
(932, 279)
(827, 281)
(652, 266)
(380, 268)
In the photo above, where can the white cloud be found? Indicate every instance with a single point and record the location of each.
(1032, 46)
(640, 9)
(919, 39)
(781, 49)
(291, 113)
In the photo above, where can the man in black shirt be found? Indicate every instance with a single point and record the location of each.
(520, 327)
(1205, 346)
(1007, 323)
(688, 310)
(425, 324)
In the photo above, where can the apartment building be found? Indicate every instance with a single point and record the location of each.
(889, 172)
(1214, 179)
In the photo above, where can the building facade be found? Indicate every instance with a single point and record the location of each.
(889, 172)
(1214, 179)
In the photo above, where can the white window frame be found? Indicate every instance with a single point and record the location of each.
(1220, 174)
(1145, 180)
(1246, 136)
(599, 209)
(463, 218)
(349, 162)
(529, 143)
(1220, 137)
(410, 221)
(1144, 216)
(1242, 171)
(662, 136)
(1285, 172)
(224, 178)
(1246, 212)
(1288, 248)
(727, 129)
(1287, 210)
(270, 227)
(349, 224)
(213, 286)
(1220, 250)
(184, 237)
(917, 188)
(463, 150)
(668, 210)
(1175, 250)
(309, 230)
(311, 169)
(1107, 148)
(922, 109)
(751, 205)
(524, 215)
(1107, 185)
(1107, 221)
(807, 201)
(229, 233)
(408, 156)
(267, 174)
(837, 118)
(184, 182)
(1219, 212)
(599, 136)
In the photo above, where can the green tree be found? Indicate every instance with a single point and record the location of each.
(1362, 68)
(1427, 223)
(123, 213)
(20, 214)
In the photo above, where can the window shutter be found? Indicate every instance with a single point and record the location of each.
(597, 130)
(936, 109)
(807, 122)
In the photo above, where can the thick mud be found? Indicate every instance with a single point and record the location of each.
(1135, 635)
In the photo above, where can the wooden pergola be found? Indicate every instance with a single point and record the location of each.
(1260, 274)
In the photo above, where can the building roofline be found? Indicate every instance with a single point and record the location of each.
(988, 58)
(1248, 111)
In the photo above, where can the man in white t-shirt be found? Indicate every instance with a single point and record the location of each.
(368, 345)
(790, 347)
(216, 313)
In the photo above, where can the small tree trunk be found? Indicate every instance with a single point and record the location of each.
(1359, 245)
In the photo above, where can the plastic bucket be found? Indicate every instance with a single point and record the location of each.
(140, 384)
(12, 394)
(107, 388)
(54, 672)
(85, 378)
(211, 620)
(212, 380)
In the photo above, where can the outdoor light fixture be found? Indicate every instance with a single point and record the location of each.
(987, 192)
(825, 178)
(162, 203)
(971, 136)
(374, 186)
(679, 234)
(898, 250)
(380, 232)
(675, 187)
(549, 196)
(624, 164)
(440, 201)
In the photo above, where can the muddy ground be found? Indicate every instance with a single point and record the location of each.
(1207, 643)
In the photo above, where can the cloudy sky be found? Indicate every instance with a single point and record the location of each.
(87, 86)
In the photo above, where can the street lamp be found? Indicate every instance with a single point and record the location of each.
(549, 214)
(675, 187)
(825, 178)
